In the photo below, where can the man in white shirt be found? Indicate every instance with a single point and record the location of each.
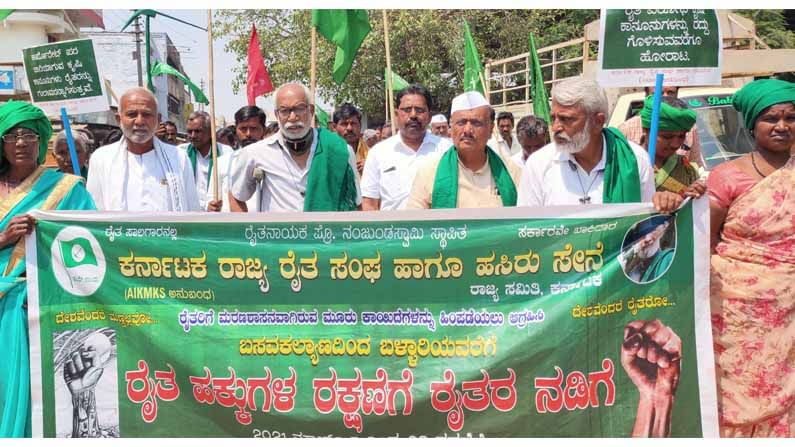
(392, 164)
(533, 134)
(586, 163)
(504, 141)
(201, 158)
(140, 172)
(302, 169)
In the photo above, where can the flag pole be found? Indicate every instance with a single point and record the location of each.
(389, 74)
(213, 142)
(313, 74)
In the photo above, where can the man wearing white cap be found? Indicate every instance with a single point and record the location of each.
(587, 163)
(439, 126)
(391, 164)
(470, 174)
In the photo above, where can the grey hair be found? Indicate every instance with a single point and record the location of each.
(580, 91)
(309, 99)
(81, 140)
(204, 116)
(532, 126)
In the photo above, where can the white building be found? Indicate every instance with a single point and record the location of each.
(117, 63)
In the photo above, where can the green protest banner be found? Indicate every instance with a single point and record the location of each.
(571, 321)
(64, 74)
(636, 44)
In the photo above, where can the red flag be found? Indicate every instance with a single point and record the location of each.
(258, 82)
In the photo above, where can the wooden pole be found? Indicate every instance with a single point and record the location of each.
(389, 75)
(313, 74)
(213, 142)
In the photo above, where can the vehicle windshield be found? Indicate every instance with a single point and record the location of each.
(721, 130)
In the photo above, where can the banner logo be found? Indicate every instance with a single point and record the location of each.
(78, 261)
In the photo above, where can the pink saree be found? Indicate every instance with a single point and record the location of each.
(752, 291)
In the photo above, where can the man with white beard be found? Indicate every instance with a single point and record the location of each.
(140, 172)
(643, 259)
(301, 168)
(586, 163)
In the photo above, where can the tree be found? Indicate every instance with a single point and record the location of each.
(771, 26)
(426, 47)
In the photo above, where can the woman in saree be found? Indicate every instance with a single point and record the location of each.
(672, 172)
(752, 287)
(24, 186)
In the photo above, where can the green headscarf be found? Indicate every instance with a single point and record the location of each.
(671, 118)
(756, 96)
(24, 114)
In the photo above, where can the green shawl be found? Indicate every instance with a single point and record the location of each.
(192, 154)
(658, 265)
(445, 185)
(331, 185)
(621, 177)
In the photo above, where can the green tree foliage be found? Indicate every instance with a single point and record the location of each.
(771, 26)
(426, 47)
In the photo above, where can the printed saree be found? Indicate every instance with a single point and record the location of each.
(45, 189)
(752, 291)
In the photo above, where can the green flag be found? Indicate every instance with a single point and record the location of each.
(540, 100)
(321, 116)
(398, 83)
(472, 67)
(160, 68)
(345, 28)
(77, 252)
(4, 13)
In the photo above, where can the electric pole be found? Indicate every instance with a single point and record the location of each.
(138, 50)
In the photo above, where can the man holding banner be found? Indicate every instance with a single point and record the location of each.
(587, 163)
(140, 172)
(305, 169)
(470, 174)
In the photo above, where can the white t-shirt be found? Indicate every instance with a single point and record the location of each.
(551, 177)
(284, 183)
(391, 166)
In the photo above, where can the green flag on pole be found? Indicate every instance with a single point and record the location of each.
(540, 99)
(4, 13)
(160, 68)
(398, 83)
(345, 28)
(77, 252)
(321, 116)
(472, 67)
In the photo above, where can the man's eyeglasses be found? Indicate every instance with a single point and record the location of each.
(27, 138)
(285, 112)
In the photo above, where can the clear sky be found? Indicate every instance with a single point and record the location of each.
(192, 45)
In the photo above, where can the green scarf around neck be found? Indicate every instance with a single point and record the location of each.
(192, 154)
(621, 177)
(445, 185)
(331, 185)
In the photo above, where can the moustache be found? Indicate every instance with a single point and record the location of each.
(561, 135)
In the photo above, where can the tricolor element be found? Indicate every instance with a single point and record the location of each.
(345, 28)
(258, 81)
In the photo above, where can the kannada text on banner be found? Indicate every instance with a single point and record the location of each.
(484, 325)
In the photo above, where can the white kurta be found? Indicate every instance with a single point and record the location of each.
(284, 184)
(202, 176)
(391, 167)
(159, 180)
(551, 177)
(500, 145)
